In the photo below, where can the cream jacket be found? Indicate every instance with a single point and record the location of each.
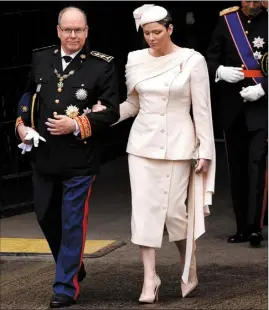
(161, 91)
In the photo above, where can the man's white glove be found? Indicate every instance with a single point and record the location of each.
(33, 135)
(25, 147)
(229, 74)
(252, 93)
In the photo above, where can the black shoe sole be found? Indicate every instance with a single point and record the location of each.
(255, 242)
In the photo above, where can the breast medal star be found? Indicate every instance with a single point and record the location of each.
(258, 42)
(72, 111)
(257, 55)
(81, 94)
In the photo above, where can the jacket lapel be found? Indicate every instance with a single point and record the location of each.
(57, 60)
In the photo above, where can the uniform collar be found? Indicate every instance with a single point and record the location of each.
(71, 55)
(251, 17)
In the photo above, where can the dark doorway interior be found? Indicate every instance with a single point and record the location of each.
(29, 25)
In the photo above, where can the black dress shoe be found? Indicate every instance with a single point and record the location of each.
(82, 273)
(239, 238)
(61, 300)
(256, 239)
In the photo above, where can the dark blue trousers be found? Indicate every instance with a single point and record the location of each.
(76, 192)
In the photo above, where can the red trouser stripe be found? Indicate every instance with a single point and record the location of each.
(84, 233)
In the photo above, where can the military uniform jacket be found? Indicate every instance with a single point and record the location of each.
(222, 51)
(94, 78)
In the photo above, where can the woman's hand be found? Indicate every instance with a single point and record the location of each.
(98, 107)
(202, 165)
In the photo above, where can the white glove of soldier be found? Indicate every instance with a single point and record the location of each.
(252, 93)
(229, 74)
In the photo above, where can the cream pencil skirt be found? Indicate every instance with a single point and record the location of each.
(159, 191)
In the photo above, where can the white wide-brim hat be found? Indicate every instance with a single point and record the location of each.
(149, 13)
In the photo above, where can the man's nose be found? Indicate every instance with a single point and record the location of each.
(73, 34)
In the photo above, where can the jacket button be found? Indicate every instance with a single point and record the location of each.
(249, 21)
(246, 32)
(57, 101)
(243, 66)
(85, 142)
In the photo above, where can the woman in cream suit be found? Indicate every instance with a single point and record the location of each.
(164, 82)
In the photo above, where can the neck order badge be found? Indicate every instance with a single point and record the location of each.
(61, 78)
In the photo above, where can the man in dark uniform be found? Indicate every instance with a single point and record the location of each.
(238, 46)
(65, 83)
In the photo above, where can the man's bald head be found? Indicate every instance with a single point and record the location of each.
(71, 11)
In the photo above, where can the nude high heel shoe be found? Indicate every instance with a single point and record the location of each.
(150, 299)
(186, 289)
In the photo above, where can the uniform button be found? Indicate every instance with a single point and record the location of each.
(249, 21)
(162, 130)
(40, 79)
(162, 147)
(246, 32)
(85, 142)
(82, 85)
(57, 101)
(243, 66)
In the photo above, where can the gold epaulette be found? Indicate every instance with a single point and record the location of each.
(264, 64)
(229, 10)
(102, 56)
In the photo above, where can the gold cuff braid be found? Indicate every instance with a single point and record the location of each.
(18, 122)
(84, 126)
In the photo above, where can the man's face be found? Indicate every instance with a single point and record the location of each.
(251, 8)
(72, 31)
